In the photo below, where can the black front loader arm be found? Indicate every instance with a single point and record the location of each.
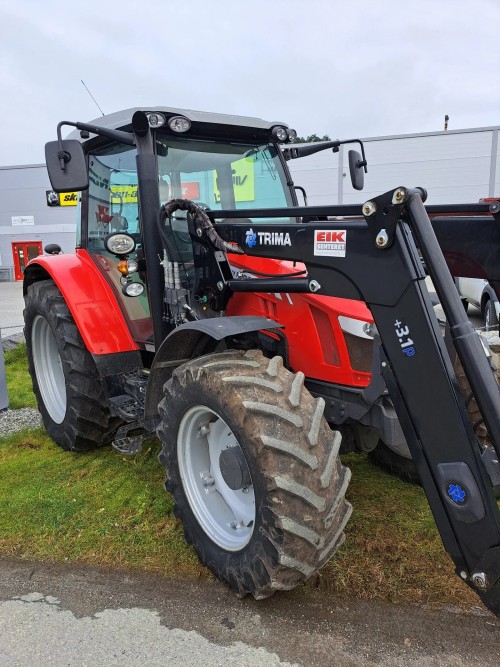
(375, 259)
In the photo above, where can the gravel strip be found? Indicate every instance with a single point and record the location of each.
(16, 420)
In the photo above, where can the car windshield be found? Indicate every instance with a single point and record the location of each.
(221, 175)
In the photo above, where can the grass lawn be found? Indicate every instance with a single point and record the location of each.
(18, 380)
(103, 509)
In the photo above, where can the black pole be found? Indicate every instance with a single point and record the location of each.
(465, 339)
(149, 205)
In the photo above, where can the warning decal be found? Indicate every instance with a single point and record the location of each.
(330, 243)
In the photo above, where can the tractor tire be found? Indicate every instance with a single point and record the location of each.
(65, 380)
(273, 513)
(399, 462)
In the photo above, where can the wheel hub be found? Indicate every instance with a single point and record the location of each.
(216, 478)
(234, 468)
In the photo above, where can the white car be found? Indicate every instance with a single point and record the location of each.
(479, 293)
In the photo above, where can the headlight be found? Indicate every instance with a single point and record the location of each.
(133, 289)
(179, 124)
(358, 336)
(119, 243)
(292, 135)
(360, 328)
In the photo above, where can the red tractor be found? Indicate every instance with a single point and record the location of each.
(202, 303)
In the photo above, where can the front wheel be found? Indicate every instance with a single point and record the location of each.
(254, 471)
(65, 380)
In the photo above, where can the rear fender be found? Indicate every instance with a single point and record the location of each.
(190, 341)
(89, 297)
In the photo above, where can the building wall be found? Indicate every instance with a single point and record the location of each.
(23, 194)
(454, 167)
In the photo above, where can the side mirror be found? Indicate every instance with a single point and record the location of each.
(52, 249)
(66, 165)
(356, 170)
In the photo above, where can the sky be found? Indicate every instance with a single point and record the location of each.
(350, 68)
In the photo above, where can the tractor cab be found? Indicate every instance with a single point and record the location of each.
(219, 162)
(205, 158)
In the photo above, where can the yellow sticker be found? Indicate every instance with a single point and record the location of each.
(243, 180)
(126, 194)
(68, 198)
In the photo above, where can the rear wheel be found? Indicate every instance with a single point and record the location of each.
(398, 461)
(254, 471)
(64, 376)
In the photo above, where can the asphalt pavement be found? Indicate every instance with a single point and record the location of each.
(75, 616)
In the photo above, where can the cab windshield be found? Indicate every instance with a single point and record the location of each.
(220, 175)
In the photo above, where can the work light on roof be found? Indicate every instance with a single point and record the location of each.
(280, 133)
(155, 119)
(292, 135)
(179, 124)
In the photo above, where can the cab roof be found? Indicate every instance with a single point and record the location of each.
(122, 119)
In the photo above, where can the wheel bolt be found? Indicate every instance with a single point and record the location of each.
(479, 579)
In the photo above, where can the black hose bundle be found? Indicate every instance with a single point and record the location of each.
(202, 220)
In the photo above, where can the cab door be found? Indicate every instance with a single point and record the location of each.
(113, 206)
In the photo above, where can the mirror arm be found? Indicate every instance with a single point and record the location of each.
(118, 135)
(304, 151)
(362, 163)
(63, 156)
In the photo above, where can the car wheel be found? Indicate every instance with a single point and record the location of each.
(490, 316)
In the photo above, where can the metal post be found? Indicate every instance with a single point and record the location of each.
(4, 398)
(467, 343)
(493, 163)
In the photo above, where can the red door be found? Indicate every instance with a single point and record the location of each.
(23, 252)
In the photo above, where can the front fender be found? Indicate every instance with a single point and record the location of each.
(191, 340)
(89, 297)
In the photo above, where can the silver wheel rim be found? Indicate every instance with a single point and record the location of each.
(226, 516)
(48, 369)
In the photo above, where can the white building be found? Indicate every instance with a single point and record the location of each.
(454, 167)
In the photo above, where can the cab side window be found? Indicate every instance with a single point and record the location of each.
(113, 206)
(113, 200)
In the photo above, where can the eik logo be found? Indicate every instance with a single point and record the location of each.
(251, 238)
